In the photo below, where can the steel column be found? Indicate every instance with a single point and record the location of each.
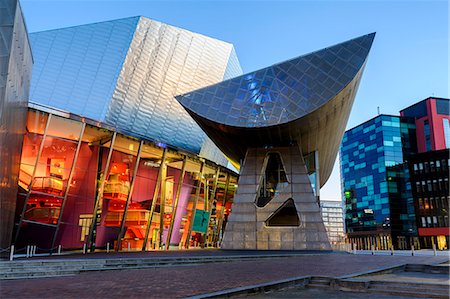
(194, 206)
(66, 193)
(162, 204)
(210, 202)
(222, 211)
(100, 188)
(41, 147)
(130, 192)
(177, 198)
(155, 197)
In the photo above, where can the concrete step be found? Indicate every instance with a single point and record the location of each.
(434, 269)
(325, 282)
(318, 286)
(433, 288)
(319, 282)
(406, 293)
(406, 285)
(27, 268)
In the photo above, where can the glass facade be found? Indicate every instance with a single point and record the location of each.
(126, 73)
(430, 187)
(333, 218)
(374, 183)
(446, 126)
(84, 184)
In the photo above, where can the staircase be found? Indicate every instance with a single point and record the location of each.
(319, 282)
(433, 269)
(421, 290)
(51, 268)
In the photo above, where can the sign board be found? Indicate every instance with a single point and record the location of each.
(200, 221)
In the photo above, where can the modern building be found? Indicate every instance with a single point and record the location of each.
(81, 182)
(394, 173)
(126, 72)
(429, 173)
(15, 70)
(283, 124)
(109, 157)
(432, 118)
(333, 219)
(430, 170)
(374, 185)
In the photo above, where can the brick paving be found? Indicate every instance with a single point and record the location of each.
(188, 280)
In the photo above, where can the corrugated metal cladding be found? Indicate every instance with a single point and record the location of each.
(15, 70)
(126, 73)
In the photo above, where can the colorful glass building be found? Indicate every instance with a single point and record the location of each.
(81, 182)
(374, 185)
(395, 172)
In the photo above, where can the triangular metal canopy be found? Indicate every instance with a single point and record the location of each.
(282, 92)
(306, 101)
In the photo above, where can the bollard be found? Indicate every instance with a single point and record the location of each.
(434, 249)
(28, 251)
(129, 246)
(412, 250)
(84, 248)
(11, 253)
(392, 250)
(59, 249)
(107, 247)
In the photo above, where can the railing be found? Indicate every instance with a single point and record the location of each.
(51, 185)
(47, 215)
(24, 179)
(118, 190)
(134, 217)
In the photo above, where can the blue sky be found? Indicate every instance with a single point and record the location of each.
(408, 61)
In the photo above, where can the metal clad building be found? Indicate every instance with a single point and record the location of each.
(15, 71)
(126, 73)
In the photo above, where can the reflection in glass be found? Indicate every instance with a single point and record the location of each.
(273, 181)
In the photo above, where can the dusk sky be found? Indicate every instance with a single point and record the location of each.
(408, 61)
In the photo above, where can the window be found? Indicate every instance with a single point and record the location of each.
(418, 189)
(446, 132)
(420, 166)
(426, 129)
(426, 204)
(416, 168)
(424, 222)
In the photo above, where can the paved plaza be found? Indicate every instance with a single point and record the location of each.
(188, 280)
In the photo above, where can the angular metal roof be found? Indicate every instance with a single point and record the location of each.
(282, 92)
(305, 101)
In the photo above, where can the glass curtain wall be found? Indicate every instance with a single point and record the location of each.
(83, 185)
(48, 179)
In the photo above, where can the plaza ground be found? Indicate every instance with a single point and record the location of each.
(178, 281)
